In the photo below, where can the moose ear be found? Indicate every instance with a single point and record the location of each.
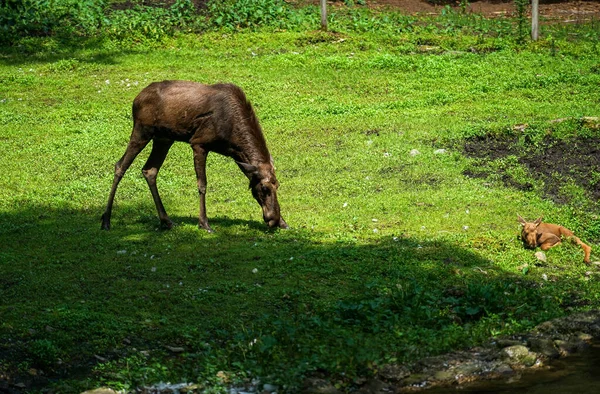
(538, 221)
(247, 168)
(521, 220)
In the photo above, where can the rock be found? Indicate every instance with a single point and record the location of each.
(416, 379)
(591, 122)
(319, 386)
(544, 346)
(502, 343)
(468, 369)
(584, 337)
(439, 151)
(520, 127)
(269, 388)
(565, 328)
(167, 388)
(393, 372)
(519, 354)
(192, 388)
(101, 390)
(175, 349)
(566, 348)
(443, 376)
(594, 330)
(414, 152)
(541, 256)
(375, 386)
(504, 370)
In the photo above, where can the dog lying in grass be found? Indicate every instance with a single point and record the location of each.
(547, 235)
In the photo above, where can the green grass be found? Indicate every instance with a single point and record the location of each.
(391, 256)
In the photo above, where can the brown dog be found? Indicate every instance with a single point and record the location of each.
(547, 235)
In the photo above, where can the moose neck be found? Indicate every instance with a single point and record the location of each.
(247, 143)
(250, 147)
(252, 158)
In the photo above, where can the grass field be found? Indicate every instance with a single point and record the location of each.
(393, 253)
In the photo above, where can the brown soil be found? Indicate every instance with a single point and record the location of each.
(553, 165)
(566, 10)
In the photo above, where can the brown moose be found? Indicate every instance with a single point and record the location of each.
(547, 235)
(215, 118)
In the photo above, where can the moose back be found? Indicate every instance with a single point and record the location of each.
(215, 118)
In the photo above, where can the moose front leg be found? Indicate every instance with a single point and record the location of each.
(200, 155)
(135, 146)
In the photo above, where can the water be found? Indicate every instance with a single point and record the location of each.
(576, 374)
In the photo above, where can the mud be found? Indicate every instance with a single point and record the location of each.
(552, 164)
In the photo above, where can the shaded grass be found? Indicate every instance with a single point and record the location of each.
(392, 256)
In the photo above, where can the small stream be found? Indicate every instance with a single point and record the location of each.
(576, 374)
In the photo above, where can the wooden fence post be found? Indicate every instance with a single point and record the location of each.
(324, 15)
(535, 13)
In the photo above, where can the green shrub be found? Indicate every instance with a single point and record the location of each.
(43, 352)
(49, 17)
(235, 14)
(150, 22)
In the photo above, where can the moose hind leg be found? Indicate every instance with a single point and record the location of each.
(134, 147)
(587, 250)
(200, 155)
(548, 240)
(160, 148)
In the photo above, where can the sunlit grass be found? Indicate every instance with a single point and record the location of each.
(384, 224)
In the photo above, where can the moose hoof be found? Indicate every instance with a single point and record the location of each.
(166, 224)
(105, 223)
(205, 226)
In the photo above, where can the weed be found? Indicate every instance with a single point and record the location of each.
(239, 14)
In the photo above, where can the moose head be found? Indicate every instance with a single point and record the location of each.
(264, 185)
(529, 233)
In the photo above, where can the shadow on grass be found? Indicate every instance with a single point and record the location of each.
(53, 49)
(224, 221)
(81, 306)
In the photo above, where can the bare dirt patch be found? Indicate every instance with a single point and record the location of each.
(564, 10)
(573, 11)
(552, 165)
(570, 9)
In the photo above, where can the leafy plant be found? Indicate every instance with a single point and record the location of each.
(48, 17)
(522, 20)
(239, 14)
(155, 23)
